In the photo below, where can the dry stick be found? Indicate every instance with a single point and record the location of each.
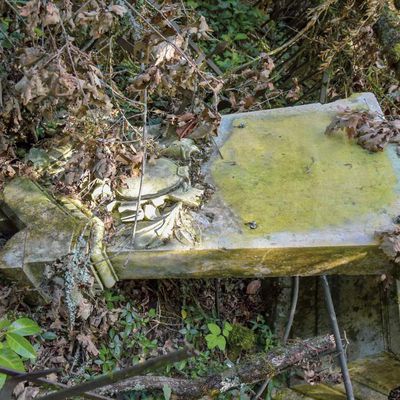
(295, 298)
(335, 327)
(46, 382)
(293, 307)
(144, 139)
(251, 371)
(120, 375)
(6, 393)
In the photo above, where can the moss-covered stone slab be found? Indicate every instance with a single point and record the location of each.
(288, 200)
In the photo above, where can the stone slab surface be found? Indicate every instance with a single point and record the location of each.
(281, 175)
(288, 200)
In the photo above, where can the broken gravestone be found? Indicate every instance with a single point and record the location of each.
(287, 200)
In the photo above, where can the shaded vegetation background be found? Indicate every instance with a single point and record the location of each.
(84, 73)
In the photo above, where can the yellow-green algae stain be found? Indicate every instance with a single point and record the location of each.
(285, 174)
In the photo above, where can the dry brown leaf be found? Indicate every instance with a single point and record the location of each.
(166, 50)
(372, 131)
(118, 10)
(87, 343)
(52, 16)
(253, 287)
(29, 8)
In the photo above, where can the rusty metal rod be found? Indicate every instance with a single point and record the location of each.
(336, 332)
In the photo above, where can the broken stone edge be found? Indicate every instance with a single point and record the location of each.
(48, 231)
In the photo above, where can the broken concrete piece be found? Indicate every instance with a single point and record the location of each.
(181, 149)
(190, 197)
(101, 190)
(150, 212)
(158, 201)
(46, 231)
(159, 179)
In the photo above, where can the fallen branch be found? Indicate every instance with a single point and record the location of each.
(256, 369)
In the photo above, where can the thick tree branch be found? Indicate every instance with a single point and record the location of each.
(258, 368)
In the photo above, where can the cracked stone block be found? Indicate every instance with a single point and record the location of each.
(45, 232)
(288, 200)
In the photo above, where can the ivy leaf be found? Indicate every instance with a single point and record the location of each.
(214, 328)
(9, 359)
(221, 342)
(211, 341)
(241, 36)
(20, 345)
(227, 329)
(24, 327)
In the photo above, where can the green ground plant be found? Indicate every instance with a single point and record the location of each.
(234, 21)
(135, 333)
(15, 349)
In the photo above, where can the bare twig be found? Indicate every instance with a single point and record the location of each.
(143, 167)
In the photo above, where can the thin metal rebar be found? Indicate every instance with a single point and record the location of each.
(293, 307)
(336, 332)
(33, 377)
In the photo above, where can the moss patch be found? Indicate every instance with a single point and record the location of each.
(240, 339)
(286, 175)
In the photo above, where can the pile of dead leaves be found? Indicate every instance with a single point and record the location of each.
(372, 131)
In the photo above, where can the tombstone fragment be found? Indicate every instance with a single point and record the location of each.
(159, 179)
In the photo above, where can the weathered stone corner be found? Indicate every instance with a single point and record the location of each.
(46, 232)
